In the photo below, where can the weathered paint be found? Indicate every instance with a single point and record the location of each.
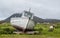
(21, 22)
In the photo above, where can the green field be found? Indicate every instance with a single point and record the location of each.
(6, 31)
(27, 36)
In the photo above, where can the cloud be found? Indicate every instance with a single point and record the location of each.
(41, 8)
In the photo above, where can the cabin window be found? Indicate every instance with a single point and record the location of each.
(28, 15)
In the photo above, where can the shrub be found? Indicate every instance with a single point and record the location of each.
(6, 31)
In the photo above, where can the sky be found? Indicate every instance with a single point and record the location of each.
(41, 8)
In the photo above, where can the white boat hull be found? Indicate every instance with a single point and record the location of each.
(22, 23)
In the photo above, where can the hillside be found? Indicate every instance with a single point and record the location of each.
(35, 18)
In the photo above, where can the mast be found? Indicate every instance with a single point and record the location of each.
(29, 10)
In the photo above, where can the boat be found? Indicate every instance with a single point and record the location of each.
(23, 23)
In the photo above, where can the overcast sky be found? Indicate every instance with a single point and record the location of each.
(41, 8)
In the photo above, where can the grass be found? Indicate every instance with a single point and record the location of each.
(44, 33)
(26, 36)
